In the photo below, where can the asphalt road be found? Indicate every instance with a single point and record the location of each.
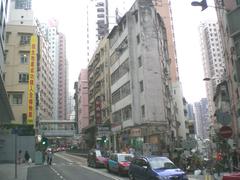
(68, 167)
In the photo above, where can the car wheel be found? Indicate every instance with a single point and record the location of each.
(131, 176)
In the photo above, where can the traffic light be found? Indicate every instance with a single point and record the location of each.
(104, 139)
(44, 141)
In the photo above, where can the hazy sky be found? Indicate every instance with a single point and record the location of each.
(186, 21)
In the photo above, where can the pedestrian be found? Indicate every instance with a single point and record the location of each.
(131, 150)
(19, 157)
(49, 157)
(26, 157)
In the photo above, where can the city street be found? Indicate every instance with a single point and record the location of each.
(68, 167)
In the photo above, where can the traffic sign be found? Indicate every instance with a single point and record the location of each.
(226, 132)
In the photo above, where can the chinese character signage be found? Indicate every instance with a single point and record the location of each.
(98, 114)
(31, 80)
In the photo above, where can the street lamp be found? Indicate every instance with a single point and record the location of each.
(207, 79)
(203, 4)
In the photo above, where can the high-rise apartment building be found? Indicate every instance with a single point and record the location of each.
(213, 61)
(99, 97)
(228, 14)
(50, 30)
(163, 7)
(29, 68)
(83, 112)
(62, 79)
(201, 118)
(6, 114)
(97, 24)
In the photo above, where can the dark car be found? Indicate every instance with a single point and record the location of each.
(155, 168)
(97, 158)
(119, 163)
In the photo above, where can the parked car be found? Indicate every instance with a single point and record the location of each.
(119, 163)
(97, 158)
(231, 176)
(154, 168)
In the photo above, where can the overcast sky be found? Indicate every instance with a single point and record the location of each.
(186, 21)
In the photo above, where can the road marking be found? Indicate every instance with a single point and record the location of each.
(60, 156)
(56, 172)
(81, 165)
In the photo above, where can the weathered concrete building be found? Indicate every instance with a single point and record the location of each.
(228, 12)
(98, 95)
(142, 103)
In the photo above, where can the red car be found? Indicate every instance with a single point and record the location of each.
(119, 163)
(96, 158)
(232, 176)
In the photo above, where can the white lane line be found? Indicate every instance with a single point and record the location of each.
(102, 173)
(99, 172)
(56, 172)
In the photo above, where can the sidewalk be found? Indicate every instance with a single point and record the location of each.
(7, 171)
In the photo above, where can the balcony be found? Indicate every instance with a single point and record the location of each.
(233, 21)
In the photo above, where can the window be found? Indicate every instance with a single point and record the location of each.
(7, 37)
(121, 93)
(100, 4)
(25, 39)
(127, 113)
(100, 15)
(23, 77)
(141, 86)
(136, 15)
(17, 98)
(139, 61)
(5, 57)
(4, 76)
(120, 72)
(23, 4)
(24, 56)
(143, 110)
(138, 38)
(100, 9)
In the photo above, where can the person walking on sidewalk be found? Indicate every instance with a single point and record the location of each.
(26, 157)
(49, 157)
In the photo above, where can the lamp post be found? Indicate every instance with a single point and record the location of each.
(203, 4)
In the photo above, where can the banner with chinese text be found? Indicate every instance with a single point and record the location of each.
(31, 80)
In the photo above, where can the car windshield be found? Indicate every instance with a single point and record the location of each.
(124, 157)
(98, 153)
(161, 163)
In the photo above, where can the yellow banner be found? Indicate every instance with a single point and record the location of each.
(31, 80)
